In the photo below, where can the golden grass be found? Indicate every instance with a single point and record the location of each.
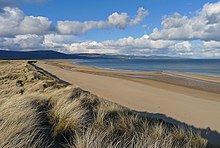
(36, 110)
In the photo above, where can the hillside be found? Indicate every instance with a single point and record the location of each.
(18, 55)
(50, 54)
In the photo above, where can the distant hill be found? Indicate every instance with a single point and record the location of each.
(49, 54)
(31, 55)
(42, 54)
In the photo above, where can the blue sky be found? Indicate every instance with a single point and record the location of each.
(188, 28)
(83, 10)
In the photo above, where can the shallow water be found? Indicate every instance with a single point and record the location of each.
(199, 66)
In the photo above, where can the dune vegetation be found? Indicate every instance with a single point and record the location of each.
(37, 110)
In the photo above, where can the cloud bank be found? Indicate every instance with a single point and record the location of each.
(205, 25)
(196, 36)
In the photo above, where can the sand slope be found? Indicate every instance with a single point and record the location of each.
(38, 110)
(201, 113)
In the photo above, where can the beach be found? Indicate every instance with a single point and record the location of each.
(40, 109)
(196, 107)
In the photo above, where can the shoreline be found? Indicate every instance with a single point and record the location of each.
(194, 107)
(52, 100)
(199, 82)
(190, 73)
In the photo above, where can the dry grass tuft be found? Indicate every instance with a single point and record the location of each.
(36, 110)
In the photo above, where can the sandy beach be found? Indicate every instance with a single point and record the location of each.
(189, 103)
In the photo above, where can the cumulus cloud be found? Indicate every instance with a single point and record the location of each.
(31, 24)
(14, 22)
(118, 20)
(206, 53)
(133, 46)
(176, 38)
(58, 42)
(205, 25)
(76, 27)
(29, 41)
(181, 48)
(142, 45)
(141, 14)
(89, 47)
(122, 20)
(142, 42)
(212, 44)
(57, 38)
(129, 45)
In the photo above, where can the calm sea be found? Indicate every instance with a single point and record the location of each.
(200, 66)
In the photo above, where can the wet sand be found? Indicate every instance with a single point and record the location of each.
(154, 92)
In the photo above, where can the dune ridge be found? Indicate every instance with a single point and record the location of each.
(37, 110)
(189, 105)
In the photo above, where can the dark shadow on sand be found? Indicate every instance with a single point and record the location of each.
(50, 74)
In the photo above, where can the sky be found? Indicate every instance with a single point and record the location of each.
(186, 28)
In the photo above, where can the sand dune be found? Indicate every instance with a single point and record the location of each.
(38, 110)
(201, 109)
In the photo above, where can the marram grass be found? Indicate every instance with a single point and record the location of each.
(36, 110)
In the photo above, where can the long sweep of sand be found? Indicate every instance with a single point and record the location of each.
(194, 107)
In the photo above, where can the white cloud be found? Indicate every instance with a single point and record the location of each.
(29, 41)
(89, 47)
(181, 48)
(57, 38)
(176, 38)
(205, 25)
(142, 42)
(207, 53)
(212, 44)
(198, 49)
(37, 25)
(129, 45)
(185, 45)
(141, 14)
(14, 22)
(135, 46)
(76, 27)
(58, 42)
(120, 21)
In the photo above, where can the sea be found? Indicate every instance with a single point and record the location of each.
(196, 66)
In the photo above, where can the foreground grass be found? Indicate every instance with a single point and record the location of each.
(36, 110)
